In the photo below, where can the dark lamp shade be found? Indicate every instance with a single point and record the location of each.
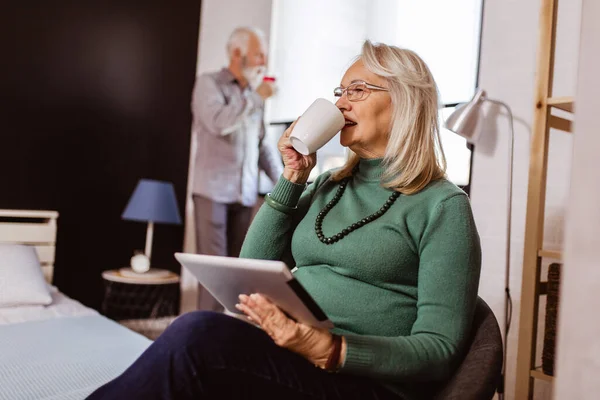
(153, 201)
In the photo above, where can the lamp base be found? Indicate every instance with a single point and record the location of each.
(150, 274)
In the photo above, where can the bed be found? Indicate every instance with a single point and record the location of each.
(51, 346)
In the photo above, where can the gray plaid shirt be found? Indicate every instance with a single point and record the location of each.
(229, 127)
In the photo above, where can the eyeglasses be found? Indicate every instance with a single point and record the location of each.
(357, 91)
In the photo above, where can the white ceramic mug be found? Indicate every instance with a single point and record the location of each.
(317, 126)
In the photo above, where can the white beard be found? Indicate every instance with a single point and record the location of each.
(254, 75)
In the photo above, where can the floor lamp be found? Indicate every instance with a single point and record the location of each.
(463, 121)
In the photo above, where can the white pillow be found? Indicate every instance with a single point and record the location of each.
(21, 277)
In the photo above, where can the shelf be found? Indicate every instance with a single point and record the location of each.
(549, 112)
(539, 374)
(565, 103)
(560, 123)
(555, 254)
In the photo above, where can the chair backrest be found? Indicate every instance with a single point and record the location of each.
(478, 375)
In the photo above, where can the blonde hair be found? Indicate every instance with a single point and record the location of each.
(414, 156)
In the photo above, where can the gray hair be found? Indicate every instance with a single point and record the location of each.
(240, 37)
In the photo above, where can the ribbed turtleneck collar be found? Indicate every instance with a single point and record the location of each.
(370, 169)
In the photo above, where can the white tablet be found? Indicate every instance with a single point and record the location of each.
(226, 278)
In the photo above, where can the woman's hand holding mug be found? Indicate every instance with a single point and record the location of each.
(317, 126)
(297, 166)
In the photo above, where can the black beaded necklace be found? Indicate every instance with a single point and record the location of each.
(338, 195)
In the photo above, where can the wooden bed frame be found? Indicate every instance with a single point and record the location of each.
(33, 228)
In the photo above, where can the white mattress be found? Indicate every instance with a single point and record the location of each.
(64, 358)
(61, 306)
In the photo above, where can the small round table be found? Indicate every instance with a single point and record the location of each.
(144, 302)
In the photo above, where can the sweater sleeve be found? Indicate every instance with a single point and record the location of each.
(448, 279)
(270, 234)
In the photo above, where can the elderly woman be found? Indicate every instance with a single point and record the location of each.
(385, 245)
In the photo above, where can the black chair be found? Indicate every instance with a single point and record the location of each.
(478, 375)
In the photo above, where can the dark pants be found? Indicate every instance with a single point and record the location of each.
(220, 231)
(207, 355)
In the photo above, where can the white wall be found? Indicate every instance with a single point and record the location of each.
(218, 18)
(507, 72)
(579, 325)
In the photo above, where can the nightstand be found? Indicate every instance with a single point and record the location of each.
(146, 303)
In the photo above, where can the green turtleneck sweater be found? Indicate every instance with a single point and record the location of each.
(401, 289)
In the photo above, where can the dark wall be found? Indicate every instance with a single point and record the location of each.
(94, 95)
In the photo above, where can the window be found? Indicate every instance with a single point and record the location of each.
(313, 42)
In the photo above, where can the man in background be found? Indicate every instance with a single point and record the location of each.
(228, 111)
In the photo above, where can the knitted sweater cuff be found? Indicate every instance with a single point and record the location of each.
(286, 192)
(359, 356)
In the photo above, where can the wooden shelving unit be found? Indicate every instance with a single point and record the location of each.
(532, 287)
(564, 103)
(539, 374)
(554, 254)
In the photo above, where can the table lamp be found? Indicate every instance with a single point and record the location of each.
(152, 202)
(463, 121)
